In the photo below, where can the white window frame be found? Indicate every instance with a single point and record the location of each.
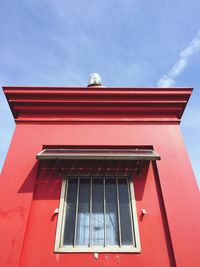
(59, 248)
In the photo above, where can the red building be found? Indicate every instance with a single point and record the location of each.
(98, 176)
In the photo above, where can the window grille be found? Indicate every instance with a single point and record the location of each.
(97, 214)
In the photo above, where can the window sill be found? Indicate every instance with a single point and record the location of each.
(110, 249)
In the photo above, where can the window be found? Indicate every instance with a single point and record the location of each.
(97, 214)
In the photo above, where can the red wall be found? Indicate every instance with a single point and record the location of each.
(169, 232)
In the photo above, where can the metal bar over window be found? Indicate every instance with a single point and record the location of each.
(90, 219)
(131, 208)
(77, 204)
(118, 211)
(104, 209)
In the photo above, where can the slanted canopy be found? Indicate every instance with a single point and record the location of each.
(105, 154)
(95, 162)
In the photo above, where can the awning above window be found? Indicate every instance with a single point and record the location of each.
(99, 154)
(95, 162)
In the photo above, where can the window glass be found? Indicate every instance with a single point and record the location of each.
(97, 217)
(125, 213)
(97, 214)
(112, 231)
(69, 226)
(83, 217)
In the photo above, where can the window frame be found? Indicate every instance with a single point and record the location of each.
(59, 248)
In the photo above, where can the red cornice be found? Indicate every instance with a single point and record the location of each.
(97, 104)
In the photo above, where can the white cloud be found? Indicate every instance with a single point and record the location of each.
(169, 79)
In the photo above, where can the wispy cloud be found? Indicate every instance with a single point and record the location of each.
(169, 79)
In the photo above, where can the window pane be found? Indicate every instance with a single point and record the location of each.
(125, 213)
(70, 212)
(112, 231)
(97, 219)
(82, 231)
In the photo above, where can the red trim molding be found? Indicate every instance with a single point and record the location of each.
(97, 104)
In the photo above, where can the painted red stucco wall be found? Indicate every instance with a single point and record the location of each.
(169, 232)
(99, 116)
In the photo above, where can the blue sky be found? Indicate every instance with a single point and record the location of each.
(130, 43)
